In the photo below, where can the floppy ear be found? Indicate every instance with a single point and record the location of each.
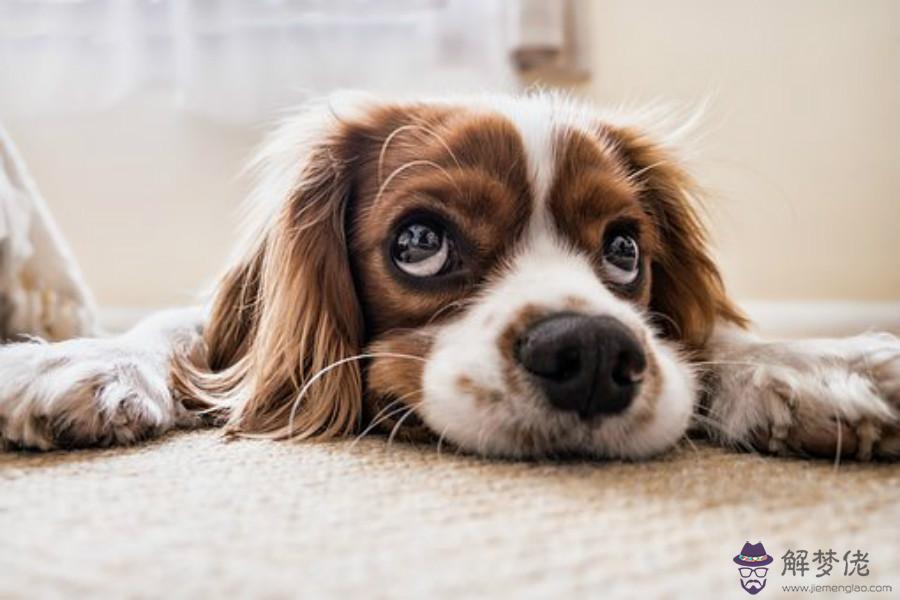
(286, 313)
(686, 286)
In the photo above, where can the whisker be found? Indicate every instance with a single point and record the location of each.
(479, 440)
(441, 440)
(715, 427)
(634, 177)
(444, 144)
(404, 167)
(412, 409)
(386, 144)
(728, 363)
(436, 314)
(668, 319)
(372, 425)
(690, 443)
(338, 363)
(444, 309)
(378, 419)
(397, 131)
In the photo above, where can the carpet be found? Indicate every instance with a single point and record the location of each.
(193, 516)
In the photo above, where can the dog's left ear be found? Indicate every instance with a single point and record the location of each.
(686, 289)
(285, 323)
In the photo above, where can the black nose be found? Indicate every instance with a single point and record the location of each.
(589, 365)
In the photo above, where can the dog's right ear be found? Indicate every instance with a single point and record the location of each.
(686, 287)
(285, 321)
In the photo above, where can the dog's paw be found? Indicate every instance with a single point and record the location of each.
(88, 392)
(823, 398)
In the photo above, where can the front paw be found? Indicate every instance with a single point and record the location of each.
(828, 398)
(82, 393)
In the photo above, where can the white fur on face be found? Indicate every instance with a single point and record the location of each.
(549, 276)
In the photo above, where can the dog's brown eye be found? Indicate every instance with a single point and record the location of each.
(621, 259)
(421, 250)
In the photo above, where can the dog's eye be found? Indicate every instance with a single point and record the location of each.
(421, 250)
(621, 259)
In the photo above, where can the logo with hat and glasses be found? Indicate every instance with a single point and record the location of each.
(752, 567)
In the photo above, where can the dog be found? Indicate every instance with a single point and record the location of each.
(513, 276)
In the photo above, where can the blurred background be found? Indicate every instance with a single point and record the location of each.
(136, 116)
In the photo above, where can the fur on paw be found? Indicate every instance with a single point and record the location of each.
(829, 398)
(83, 393)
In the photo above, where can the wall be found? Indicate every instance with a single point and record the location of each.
(801, 144)
(147, 196)
(801, 152)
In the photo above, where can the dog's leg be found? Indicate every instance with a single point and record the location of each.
(823, 397)
(93, 392)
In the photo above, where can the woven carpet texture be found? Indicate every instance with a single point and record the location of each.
(193, 516)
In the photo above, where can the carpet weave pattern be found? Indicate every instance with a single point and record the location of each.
(194, 516)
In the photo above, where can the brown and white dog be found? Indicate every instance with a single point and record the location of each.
(515, 276)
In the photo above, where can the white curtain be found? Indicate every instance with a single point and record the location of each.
(241, 59)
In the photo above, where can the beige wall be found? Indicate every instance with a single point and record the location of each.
(146, 195)
(802, 146)
(801, 152)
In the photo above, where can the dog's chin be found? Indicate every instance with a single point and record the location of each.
(556, 436)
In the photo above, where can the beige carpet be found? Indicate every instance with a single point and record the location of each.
(193, 516)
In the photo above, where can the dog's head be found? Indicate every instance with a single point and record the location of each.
(516, 276)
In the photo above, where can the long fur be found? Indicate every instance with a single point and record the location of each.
(284, 313)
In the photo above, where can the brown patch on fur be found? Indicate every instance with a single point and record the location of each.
(506, 343)
(480, 394)
(651, 387)
(521, 321)
(575, 303)
(394, 383)
(466, 168)
(686, 287)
